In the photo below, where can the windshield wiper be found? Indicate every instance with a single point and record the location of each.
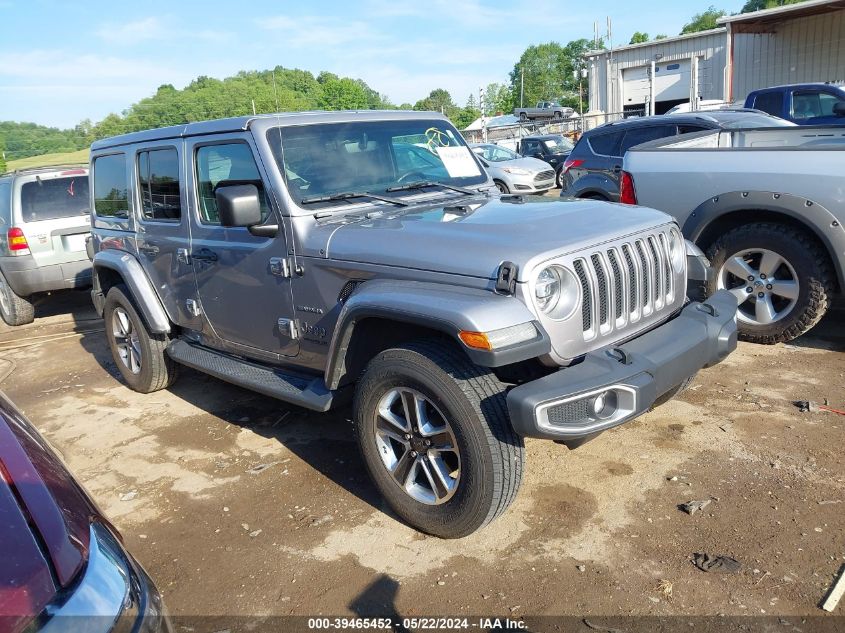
(422, 184)
(348, 195)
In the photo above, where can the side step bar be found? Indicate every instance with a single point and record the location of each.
(299, 390)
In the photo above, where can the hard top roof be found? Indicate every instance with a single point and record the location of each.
(243, 123)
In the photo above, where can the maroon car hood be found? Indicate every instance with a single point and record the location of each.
(56, 512)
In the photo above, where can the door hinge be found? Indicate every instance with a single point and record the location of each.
(193, 307)
(280, 266)
(288, 327)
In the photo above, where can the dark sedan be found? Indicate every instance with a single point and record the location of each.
(63, 566)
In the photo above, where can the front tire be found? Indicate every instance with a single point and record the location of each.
(14, 309)
(434, 433)
(502, 187)
(139, 355)
(787, 272)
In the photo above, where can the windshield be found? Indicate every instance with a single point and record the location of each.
(754, 120)
(495, 153)
(374, 156)
(558, 145)
(44, 199)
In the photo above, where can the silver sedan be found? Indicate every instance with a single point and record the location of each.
(513, 173)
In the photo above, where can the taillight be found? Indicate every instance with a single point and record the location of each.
(627, 193)
(569, 163)
(17, 240)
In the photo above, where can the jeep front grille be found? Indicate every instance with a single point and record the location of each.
(624, 284)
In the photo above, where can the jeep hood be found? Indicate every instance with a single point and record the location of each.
(475, 243)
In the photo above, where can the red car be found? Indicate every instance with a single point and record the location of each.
(62, 564)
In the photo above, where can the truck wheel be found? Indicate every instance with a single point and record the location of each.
(140, 356)
(434, 432)
(14, 309)
(502, 187)
(780, 277)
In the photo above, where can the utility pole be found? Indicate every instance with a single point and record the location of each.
(610, 70)
(522, 87)
(483, 114)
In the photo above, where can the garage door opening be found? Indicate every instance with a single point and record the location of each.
(672, 82)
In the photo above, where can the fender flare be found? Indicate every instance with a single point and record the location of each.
(447, 309)
(815, 217)
(139, 286)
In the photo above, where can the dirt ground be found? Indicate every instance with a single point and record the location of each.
(238, 504)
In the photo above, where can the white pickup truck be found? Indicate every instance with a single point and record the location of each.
(766, 205)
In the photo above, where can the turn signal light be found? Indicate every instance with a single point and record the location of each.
(475, 340)
(627, 193)
(17, 240)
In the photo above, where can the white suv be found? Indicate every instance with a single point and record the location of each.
(44, 221)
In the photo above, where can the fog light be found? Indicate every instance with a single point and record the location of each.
(604, 405)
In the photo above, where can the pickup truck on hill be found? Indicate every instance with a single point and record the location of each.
(766, 205)
(544, 110)
(804, 104)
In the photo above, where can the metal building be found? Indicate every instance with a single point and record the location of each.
(796, 43)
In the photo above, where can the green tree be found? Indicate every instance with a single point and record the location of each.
(438, 100)
(758, 5)
(662, 36)
(548, 72)
(471, 102)
(639, 38)
(497, 99)
(2, 156)
(703, 21)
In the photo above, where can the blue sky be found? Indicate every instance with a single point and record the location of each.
(61, 62)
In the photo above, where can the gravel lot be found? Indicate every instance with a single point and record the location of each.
(239, 504)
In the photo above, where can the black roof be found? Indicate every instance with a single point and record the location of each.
(708, 118)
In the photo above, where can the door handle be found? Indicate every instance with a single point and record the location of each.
(616, 169)
(204, 255)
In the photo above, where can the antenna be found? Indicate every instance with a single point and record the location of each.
(275, 94)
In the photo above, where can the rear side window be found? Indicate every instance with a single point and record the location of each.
(5, 202)
(809, 104)
(644, 134)
(689, 129)
(111, 199)
(221, 166)
(769, 102)
(158, 182)
(606, 144)
(53, 198)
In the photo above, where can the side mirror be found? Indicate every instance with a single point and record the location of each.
(238, 205)
(839, 108)
(538, 155)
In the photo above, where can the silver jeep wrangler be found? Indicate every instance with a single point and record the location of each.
(322, 258)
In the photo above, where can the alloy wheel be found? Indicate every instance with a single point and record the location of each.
(417, 446)
(764, 283)
(126, 340)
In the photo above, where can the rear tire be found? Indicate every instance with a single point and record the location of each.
(502, 187)
(139, 355)
(14, 309)
(460, 403)
(803, 274)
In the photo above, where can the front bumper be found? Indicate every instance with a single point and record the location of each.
(113, 594)
(618, 383)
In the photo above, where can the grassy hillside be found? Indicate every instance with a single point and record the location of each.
(64, 158)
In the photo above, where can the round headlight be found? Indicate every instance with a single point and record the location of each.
(556, 292)
(547, 289)
(677, 250)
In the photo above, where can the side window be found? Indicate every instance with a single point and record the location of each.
(645, 134)
(606, 144)
(769, 102)
(111, 197)
(531, 148)
(5, 202)
(806, 104)
(827, 101)
(158, 182)
(689, 129)
(223, 165)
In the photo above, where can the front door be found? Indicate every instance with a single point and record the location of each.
(241, 296)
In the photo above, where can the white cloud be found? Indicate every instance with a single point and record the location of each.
(62, 65)
(133, 32)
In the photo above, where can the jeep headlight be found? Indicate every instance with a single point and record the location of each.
(677, 250)
(556, 292)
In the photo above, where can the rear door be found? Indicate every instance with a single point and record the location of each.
(52, 210)
(162, 230)
(242, 293)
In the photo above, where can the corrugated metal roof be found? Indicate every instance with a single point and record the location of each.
(665, 40)
(809, 7)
